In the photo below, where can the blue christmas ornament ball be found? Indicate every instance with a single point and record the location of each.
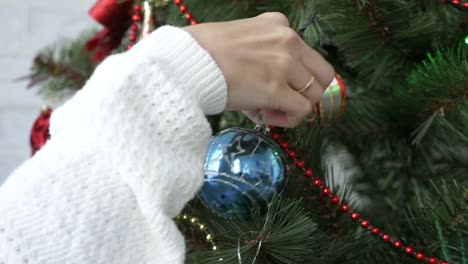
(244, 169)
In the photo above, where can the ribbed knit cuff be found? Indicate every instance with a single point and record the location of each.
(180, 55)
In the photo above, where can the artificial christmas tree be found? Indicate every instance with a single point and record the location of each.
(402, 141)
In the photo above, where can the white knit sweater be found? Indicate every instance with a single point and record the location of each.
(126, 153)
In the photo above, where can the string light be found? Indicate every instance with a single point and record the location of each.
(197, 225)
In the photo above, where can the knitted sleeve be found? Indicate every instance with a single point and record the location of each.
(125, 155)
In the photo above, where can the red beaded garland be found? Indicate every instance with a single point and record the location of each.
(397, 244)
(364, 224)
(344, 208)
(325, 191)
(419, 256)
(457, 3)
(317, 182)
(409, 250)
(335, 199)
(136, 18)
(386, 237)
(375, 231)
(432, 260)
(275, 136)
(299, 164)
(284, 145)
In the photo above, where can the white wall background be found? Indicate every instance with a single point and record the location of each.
(28, 25)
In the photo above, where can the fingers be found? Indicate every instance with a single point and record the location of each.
(299, 77)
(317, 66)
(286, 109)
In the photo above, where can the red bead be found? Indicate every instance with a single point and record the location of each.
(335, 199)
(292, 154)
(444, 262)
(177, 2)
(397, 244)
(385, 238)
(317, 182)
(136, 8)
(308, 173)
(419, 256)
(364, 224)
(444, 1)
(375, 231)
(325, 191)
(275, 136)
(345, 208)
(132, 37)
(134, 27)
(432, 260)
(188, 16)
(284, 145)
(193, 22)
(129, 46)
(465, 4)
(409, 250)
(354, 216)
(183, 8)
(299, 164)
(136, 18)
(456, 2)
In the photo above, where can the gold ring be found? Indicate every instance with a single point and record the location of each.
(308, 86)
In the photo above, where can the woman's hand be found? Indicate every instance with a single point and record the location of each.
(266, 64)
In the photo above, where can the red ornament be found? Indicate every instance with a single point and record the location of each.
(116, 18)
(354, 216)
(335, 199)
(308, 173)
(397, 244)
(178, 2)
(132, 37)
(137, 8)
(325, 191)
(183, 8)
(457, 2)
(188, 16)
(409, 250)
(420, 256)
(385, 238)
(432, 260)
(344, 208)
(134, 28)
(299, 164)
(375, 231)
(364, 224)
(193, 22)
(40, 130)
(465, 4)
(444, 262)
(129, 46)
